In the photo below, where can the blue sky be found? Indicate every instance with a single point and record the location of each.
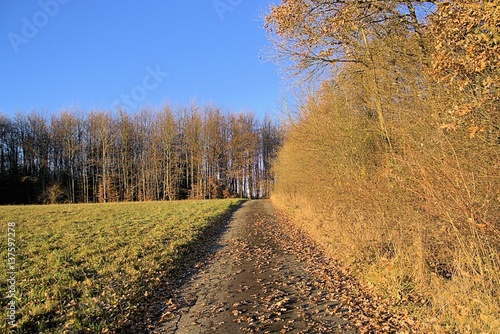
(91, 54)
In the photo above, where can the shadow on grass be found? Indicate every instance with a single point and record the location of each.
(190, 259)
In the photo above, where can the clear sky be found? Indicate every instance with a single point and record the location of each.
(93, 54)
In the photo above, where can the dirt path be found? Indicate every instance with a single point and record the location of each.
(266, 277)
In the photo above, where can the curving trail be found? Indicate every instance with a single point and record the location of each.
(266, 277)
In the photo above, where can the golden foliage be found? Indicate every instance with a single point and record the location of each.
(315, 34)
(467, 55)
(395, 172)
(419, 224)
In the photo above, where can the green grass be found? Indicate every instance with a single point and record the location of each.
(82, 267)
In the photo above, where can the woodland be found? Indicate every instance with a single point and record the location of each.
(102, 156)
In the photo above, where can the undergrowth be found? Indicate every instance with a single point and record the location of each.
(416, 219)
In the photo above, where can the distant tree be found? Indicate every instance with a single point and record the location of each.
(126, 155)
(67, 133)
(270, 141)
(101, 129)
(215, 142)
(165, 139)
(192, 127)
(145, 154)
(37, 143)
(242, 153)
(10, 146)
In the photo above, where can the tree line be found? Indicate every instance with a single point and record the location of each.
(195, 152)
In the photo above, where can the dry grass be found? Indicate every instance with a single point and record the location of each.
(418, 222)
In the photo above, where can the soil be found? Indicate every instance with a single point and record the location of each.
(263, 275)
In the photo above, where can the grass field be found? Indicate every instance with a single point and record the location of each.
(82, 268)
